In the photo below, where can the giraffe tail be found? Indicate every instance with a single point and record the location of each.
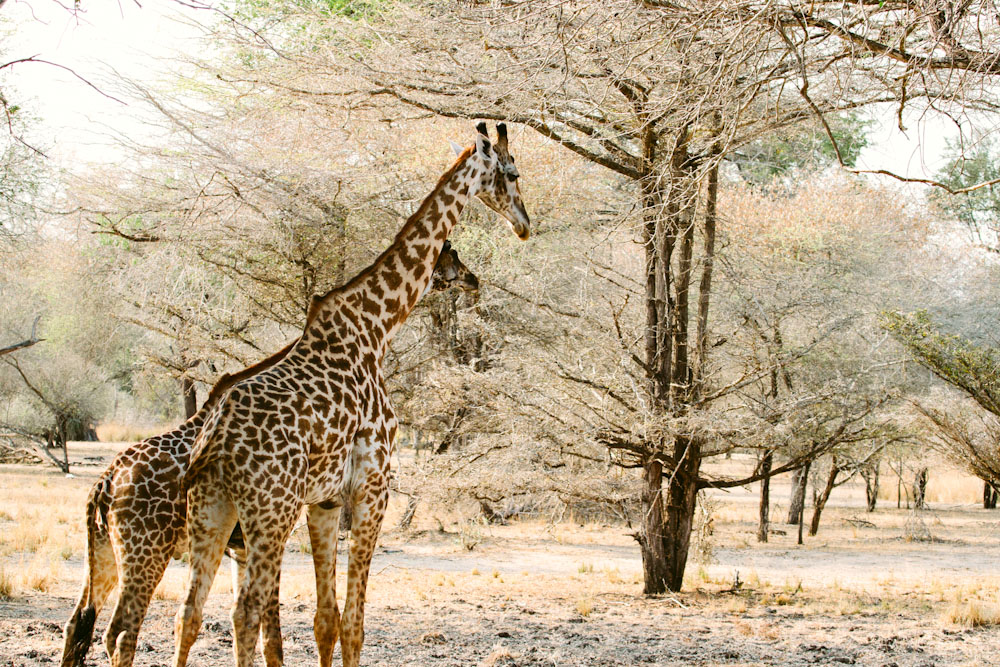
(79, 630)
(202, 451)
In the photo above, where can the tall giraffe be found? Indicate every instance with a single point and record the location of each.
(317, 428)
(136, 519)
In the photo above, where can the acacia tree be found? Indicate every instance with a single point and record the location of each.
(658, 94)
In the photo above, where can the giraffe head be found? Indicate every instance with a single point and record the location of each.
(497, 185)
(451, 272)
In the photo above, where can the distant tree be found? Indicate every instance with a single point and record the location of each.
(972, 368)
(978, 210)
(801, 148)
(56, 391)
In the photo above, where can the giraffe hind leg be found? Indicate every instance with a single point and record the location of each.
(211, 517)
(270, 624)
(323, 523)
(99, 580)
(260, 581)
(139, 578)
(270, 629)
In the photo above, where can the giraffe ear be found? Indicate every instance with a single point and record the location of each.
(455, 147)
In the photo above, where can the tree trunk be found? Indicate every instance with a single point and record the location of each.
(820, 502)
(989, 496)
(765, 496)
(652, 546)
(682, 496)
(920, 489)
(190, 394)
(871, 487)
(669, 206)
(409, 513)
(57, 438)
(800, 479)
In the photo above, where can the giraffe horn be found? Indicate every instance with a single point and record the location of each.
(502, 136)
(481, 126)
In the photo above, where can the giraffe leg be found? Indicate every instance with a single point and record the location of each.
(260, 582)
(367, 520)
(270, 622)
(99, 580)
(211, 517)
(139, 577)
(270, 628)
(323, 525)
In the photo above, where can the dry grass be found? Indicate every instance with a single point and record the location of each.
(43, 515)
(498, 657)
(41, 575)
(8, 585)
(973, 614)
(119, 432)
(43, 527)
(944, 485)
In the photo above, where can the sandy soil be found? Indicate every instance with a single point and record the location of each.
(564, 594)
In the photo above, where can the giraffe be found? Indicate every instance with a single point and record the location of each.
(136, 519)
(317, 429)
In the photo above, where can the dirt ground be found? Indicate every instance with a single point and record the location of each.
(536, 593)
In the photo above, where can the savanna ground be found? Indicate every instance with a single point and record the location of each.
(543, 593)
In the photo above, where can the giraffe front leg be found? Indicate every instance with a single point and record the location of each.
(211, 517)
(323, 524)
(369, 510)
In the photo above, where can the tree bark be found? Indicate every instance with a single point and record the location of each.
(411, 511)
(682, 496)
(920, 489)
(989, 496)
(652, 545)
(800, 479)
(831, 482)
(871, 486)
(765, 496)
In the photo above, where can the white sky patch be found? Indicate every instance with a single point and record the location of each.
(137, 42)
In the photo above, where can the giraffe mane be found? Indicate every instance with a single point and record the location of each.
(317, 301)
(227, 381)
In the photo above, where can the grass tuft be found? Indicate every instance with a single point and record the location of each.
(973, 614)
(8, 587)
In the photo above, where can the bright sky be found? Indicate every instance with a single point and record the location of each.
(135, 41)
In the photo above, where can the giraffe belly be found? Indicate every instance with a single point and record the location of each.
(328, 480)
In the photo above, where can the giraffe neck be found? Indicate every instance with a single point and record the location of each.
(385, 293)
